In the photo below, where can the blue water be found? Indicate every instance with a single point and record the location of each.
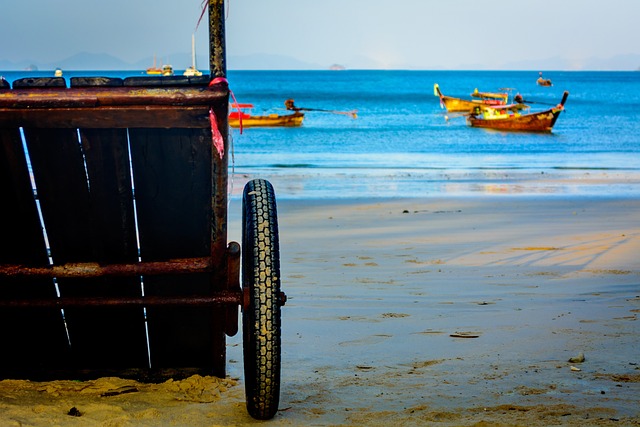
(401, 144)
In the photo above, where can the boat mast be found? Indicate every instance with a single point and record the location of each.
(217, 56)
(193, 51)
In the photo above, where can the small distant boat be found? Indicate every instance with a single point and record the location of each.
(512, 118)
(57, 72)
(167, 70)
(270, 120)
(154, 70)
(192, 70)
(542, 81)
(452, 104)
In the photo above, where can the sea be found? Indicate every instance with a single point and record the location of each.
(402, 144)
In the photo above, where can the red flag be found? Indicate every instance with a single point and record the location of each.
(218, 142)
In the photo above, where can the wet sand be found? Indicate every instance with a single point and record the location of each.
(441, 311)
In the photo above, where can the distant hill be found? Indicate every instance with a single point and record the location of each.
(180, 61)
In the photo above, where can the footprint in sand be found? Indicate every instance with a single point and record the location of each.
(372, 339)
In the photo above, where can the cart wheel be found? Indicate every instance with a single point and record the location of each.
(261, 314)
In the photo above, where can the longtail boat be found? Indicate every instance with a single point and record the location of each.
(543, 82)
(511, 118)
(290, 104)
(452, 104)
(243, 114)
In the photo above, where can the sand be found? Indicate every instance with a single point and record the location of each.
(444, 311)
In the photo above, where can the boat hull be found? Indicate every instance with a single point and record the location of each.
(272, 120)
(533, 122)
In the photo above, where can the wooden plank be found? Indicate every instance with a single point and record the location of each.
(106, 337)
(106, 117)
(97, 96)
(173, 185)
(60, 177)
(58, 168)
(33, 341)
(92, 106)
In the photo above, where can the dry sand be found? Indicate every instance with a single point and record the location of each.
(440, 311)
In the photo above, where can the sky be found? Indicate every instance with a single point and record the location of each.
(390, 34)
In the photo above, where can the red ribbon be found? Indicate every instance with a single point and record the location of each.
(218, 142)
(220, 80)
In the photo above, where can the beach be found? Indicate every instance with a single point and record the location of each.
(437, 310)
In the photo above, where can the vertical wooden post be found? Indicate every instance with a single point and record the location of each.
(217, 48)
(218, 69)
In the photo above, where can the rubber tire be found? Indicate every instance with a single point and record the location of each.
(261, 325)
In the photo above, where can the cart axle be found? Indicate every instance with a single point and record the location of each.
(218, 299)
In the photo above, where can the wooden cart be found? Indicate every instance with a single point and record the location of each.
(114, 258)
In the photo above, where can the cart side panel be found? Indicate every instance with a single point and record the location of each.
(120, 341)
(32, 341)
(114, 338)
(173, 187)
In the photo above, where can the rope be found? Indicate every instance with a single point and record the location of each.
(205, 5)
(222, 80)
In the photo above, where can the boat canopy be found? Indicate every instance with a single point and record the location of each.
(477, 94)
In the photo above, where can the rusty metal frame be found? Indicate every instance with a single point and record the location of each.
(231, 295)
(220, 298)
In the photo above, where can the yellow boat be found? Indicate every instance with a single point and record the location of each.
(154, 70)
(452, 104)
(269, 120)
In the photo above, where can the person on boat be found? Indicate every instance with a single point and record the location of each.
(290, 105)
